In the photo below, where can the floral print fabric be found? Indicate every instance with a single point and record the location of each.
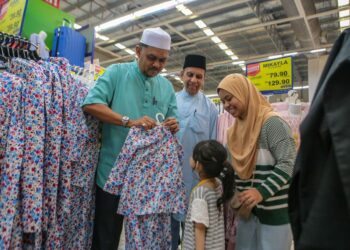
(148, 178)
(48, 155)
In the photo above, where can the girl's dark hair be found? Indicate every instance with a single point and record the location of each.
(213, 157)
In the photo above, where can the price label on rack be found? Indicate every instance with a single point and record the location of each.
(11, 16)
(273, 76)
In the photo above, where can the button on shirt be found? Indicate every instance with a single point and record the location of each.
(128, 92)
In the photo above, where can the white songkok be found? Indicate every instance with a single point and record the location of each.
(156, 37)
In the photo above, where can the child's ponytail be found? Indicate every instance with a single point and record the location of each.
(228, 183)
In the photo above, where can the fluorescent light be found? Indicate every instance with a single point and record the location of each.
(301, 87)
(178, 78)
(76, 26)
(343, 2)
(184, 10)
(344, 13)
(103, 38)
(234, 58)
(208, 32)
(238, 62)
(317, 50)
(115, 22)
(187, 12)
(215, 39)
(154, 8)
(223, 46)
(200, 24)
(120, 46)
(275, 56)
(344, 23)
(180, 7)
(131, 52)
(291, 54)
(229, 52)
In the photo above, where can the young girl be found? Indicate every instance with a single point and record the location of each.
(204, 226)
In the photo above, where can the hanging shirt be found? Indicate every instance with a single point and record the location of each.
(147, 173)
(198, 118)
(34, 131)
(128, 92)
(11, 153)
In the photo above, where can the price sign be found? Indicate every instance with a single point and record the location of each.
(11, 16)
(98, 72)
(273, 76)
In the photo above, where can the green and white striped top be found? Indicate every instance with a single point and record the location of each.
(274, 168)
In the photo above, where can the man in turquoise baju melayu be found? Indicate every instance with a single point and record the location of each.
(127, 95)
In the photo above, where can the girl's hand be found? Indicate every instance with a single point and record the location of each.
(250, 198)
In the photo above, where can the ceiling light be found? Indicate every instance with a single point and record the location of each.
(215, 39)
(131, 52)
(164, 70)
(76, 26)
(317, 50)
(163, 74)
(344, 13)
(229, 52)
(301, 87)
(343, 2)
(344, 23)
(291, 54)
(200, 24)
(115, 22)
(184, 10)
(103, 38)
(208, 32)
(238, 62)
(120, 46)
(154, 8)
(187, 12)
(234, 58)
(275, 56)
(223, 46)
(180, 7)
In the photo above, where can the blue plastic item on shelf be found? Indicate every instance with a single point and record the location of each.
(70, 44)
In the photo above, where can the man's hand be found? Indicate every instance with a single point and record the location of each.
(250, 198)
(172, 124)
(146, 122)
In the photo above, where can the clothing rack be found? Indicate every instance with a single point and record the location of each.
(12, 46)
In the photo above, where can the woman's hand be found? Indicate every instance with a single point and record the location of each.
(250, 198)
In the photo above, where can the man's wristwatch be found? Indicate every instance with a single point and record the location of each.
(125, 120)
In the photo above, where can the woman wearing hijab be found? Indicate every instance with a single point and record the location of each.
(262, 150)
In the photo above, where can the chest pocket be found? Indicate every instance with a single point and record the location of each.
(199, 123)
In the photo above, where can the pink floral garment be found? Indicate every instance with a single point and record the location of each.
(60, 214)
(148, 177)
(11, 152)
(147, 174)
(34, 135)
